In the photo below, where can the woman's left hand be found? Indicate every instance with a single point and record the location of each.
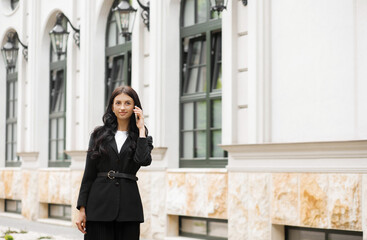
(139, 117)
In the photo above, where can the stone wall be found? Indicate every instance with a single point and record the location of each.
(253, 203)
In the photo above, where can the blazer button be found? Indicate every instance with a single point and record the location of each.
(117, 184)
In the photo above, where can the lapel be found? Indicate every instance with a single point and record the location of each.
(124, 147)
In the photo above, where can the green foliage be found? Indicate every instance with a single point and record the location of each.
(8, 237)
(44, 237)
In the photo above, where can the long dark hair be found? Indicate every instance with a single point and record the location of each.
(103, 134)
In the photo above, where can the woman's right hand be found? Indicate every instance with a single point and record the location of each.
(81, 221)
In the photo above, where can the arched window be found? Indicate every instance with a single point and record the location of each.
(11, 159)
(201, 86)
(118, 56)
(57, 109)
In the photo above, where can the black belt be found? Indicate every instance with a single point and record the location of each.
(112, 175)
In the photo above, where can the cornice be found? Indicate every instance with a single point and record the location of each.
(333, 156)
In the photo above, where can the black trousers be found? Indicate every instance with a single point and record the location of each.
(112, 230)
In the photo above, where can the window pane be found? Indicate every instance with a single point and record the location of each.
(53, 128)
(9, 151)
(193, 226)
(15, 114)
(188, 147)
(11, 206)
(200, 144)
(193, 76)
(189, 11)
(9, 133)
(200, 115)
(61, 128)
(218, 84)
(61, 149)
(215, 140)
(295, 234)
(53, 150)
(11, 90)
(188, 118)
(67, 210)
(112, 32)
(56, 211)
(334, 236)
(202, 80)
(217, 113)
(202, 10)
(11, 110)
(218, 229)
(14, 154)
(196, 53)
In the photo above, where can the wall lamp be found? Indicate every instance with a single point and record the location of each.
(220, 5)
(125, 16)
(10, 50)
(145, 13)
(59, 35)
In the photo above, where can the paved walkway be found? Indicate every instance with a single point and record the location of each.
(37, 230)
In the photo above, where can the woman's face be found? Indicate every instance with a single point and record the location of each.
(123, 106)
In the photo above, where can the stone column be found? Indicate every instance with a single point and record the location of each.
(30, 203)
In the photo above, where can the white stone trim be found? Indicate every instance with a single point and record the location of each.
(55, 222)
(29, 160)
(197, 170)
(77, 159)
(341, 156)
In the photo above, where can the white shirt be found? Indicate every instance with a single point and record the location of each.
(120, 138)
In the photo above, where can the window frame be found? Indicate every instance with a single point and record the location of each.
(206, 30)
(11, 78)
(58, 65)
(64, 206)
(116, 51)
(200, 236)
(18, 208)
(326, 231)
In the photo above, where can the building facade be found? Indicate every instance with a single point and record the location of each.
(258, 114)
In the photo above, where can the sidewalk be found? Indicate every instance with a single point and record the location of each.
(37, 230)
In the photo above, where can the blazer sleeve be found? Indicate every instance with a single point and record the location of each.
(144, 147)
(90, 174)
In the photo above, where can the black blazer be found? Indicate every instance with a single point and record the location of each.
(114, 199)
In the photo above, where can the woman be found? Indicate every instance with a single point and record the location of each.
(109, 202)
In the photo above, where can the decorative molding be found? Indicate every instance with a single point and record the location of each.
(158, 153)
(77, 159)
(340, 156)
(29, 160)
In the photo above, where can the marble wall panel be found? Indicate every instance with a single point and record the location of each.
(158, 207)
(196, 195)
(11, 184)
(176, 194)
(285, 201)
(217, 190)
(259, 206)
(314, 200)
(345, 198)
(30, 185)
(55, 187)
(238, 199)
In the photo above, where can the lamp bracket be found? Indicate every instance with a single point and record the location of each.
(145, 13)
(76, 35)
(12, 35)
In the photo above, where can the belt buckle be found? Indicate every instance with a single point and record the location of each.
(109, 176)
